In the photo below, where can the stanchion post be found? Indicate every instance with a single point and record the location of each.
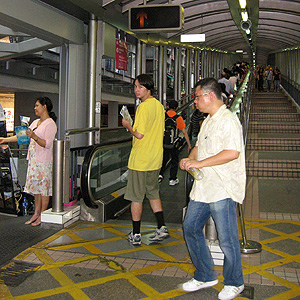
(247, 246)
(58, 175)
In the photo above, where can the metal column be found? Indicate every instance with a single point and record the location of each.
(92, 56)
(61, 174)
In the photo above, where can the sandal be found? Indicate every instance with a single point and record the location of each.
(37, 222)
(32, 219)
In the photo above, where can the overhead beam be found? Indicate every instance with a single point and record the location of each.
(12, 50)
(41, 21)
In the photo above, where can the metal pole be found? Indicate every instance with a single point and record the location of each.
(92, 77)
(210, 230)
(58, 175)
(247, 246)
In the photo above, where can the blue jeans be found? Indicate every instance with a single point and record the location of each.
(269, 82)
(224, 215)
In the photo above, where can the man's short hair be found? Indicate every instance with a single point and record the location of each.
(173, 104)
(146, 81)
(210, 85)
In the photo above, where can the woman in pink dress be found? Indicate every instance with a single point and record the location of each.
(42, 132)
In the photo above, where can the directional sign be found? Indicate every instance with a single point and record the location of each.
(150, 18)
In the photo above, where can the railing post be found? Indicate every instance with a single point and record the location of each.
(247, 246)
(61, 174)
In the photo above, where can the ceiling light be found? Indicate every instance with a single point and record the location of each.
(239, 51)
(248, 31)
(192, 38)
(244, 16)
(243, 4)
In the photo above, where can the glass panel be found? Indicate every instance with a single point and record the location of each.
(108, 170)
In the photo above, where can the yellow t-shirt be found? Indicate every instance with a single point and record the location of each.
(147, 153)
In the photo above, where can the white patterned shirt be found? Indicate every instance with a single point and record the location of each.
(222, 131)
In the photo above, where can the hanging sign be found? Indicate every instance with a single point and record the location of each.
(121, 55)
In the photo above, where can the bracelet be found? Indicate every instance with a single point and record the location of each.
(37, 138)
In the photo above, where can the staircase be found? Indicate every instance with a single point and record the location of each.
(273, 144)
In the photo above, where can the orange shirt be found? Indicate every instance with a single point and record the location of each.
(179, 121)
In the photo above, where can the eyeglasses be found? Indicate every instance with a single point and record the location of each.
(201, 95)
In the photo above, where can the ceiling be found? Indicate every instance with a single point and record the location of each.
(275, 23)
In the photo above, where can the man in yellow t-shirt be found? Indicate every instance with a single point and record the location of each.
(145, 159)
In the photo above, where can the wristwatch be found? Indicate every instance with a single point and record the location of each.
(37, 138)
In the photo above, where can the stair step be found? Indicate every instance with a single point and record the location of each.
(279, 117)
(273, 144)
(273, 109)
(273, 128)
(273, 168)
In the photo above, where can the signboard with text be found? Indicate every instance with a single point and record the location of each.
(121, 55)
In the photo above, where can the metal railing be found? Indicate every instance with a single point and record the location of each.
(291, 87)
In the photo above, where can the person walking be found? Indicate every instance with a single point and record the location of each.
(42, 132)
(219, 153)
(145, 159)
(172, 150)
(277, 79)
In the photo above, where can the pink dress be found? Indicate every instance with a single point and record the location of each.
(39, 170)
(39, 174)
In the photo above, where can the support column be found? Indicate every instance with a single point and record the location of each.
(161, 74)
(63, 91)
(91, 100)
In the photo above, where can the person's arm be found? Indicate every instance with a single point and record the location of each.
(10, 139)
(128, 126)
(192, 156)
(221, 158)
(186, 136)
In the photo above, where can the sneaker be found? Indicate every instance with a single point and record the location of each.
(159, 234)
(230, 292)
(173, 181)
(195, 285)
(134, 239)
(160, 178)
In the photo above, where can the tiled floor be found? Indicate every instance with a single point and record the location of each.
(94, 261)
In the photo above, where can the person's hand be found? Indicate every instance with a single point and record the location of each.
(31, 134)
(187, 163)
(126, 123)
(2, 140)
(182, 163)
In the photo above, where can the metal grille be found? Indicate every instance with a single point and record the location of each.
(273, 168)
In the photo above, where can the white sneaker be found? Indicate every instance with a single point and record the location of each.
(173, 181)
(134, 239)
(159, 234)
(195, 285)
(160, 178)
(230, 292)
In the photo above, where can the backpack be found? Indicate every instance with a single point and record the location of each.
(171, 132)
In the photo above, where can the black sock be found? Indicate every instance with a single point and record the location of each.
(160, 219)
(136, 226)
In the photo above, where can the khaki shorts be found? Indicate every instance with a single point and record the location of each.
(141, 183)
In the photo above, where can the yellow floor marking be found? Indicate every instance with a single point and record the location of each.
(75, 237)
(4, 291)
(143, 287)
(43, 256)
(64, 280)
(285, 295)
(82, 244)
(68, 262)
(279, 280)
